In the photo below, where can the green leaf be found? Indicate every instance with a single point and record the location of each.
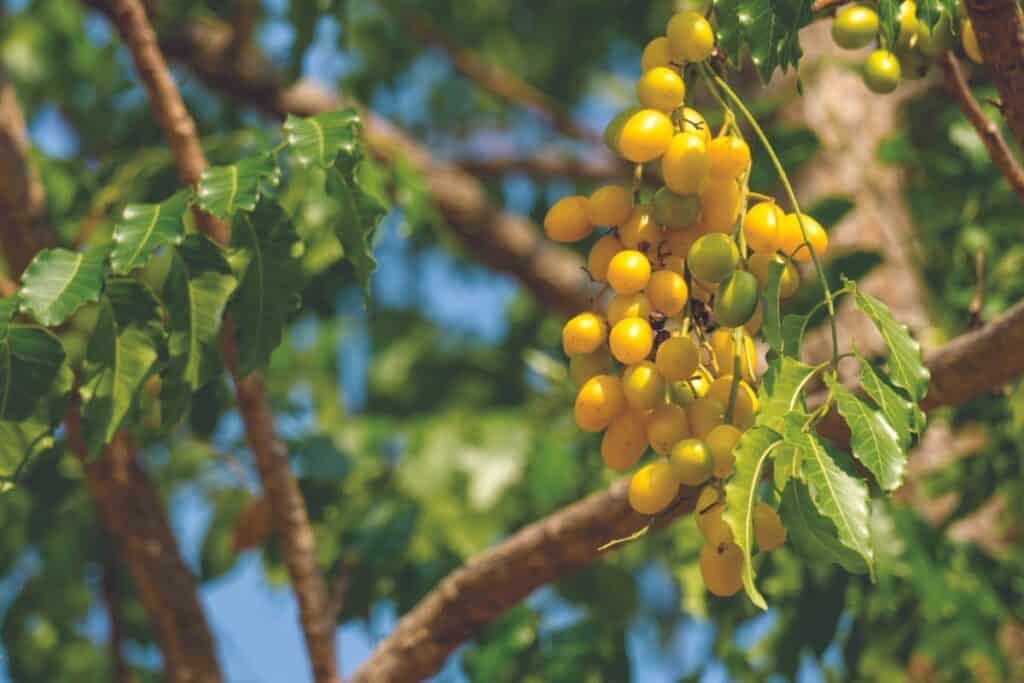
(772, 325)
(812, 534)
(730, 17)
(838, 495)
(773, 33)
(30, 358)
(793, 328)
(906, 367)
(905, 416)
(144, 228)
(831, 209)
(358, 217)
(752, 453)
(873, 440)
(197, 292)
(780, 391)
(317, 140)
(270, 285)
(888, 16)
(122, 353)
(58, 282)
(22, 440)
(223, 190)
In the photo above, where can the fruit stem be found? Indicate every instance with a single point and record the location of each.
(737, 371)
(784, 178)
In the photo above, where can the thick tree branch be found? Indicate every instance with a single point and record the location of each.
(999, 26)
(121, 672)
(502, 240)
(998, 150)
(548, 163)
(288, 508)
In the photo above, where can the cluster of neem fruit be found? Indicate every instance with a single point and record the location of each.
(667, 359)
(916, 45)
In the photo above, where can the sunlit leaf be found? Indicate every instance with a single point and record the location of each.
(145, 227)
(812, 534)
(224, 190)
(873, 440)
(359, 214)
(58, 282)
(906, 417)
(781, 391)
(317, 140)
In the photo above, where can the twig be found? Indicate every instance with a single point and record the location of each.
(978, 299)
(988, 130)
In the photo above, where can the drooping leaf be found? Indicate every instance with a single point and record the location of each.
(197, 291)
(873, 440)
(732, 21)
(773, 33)
(772, 325)
(122, 353)
(23, 440)
(781, 391)
(812, 534)
(59, 281)
(752, 452)
(793, 328)
(30, 358)
(145, 227)
(836, 494)
(906, 367)
(317, 140)
(270, 284)
(223, 190)
(906, 417)
(888, 16)
(359, 215)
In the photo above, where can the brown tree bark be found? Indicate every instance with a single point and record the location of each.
(999, 25)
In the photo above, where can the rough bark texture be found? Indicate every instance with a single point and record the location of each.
(500, 239)
(288, 508)
(999, 26)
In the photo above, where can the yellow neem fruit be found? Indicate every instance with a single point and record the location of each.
(753, 326)
(746, 399)
(645, 136)
(625, 440)
(722, 346)
(609, 205)
(639, 230)
(769, 532)
(690, 37)
(653, 488)
(730, 157)
(667, 426)
(721, 201)
(643, 386)
(721, 568)
(970, 41)
(622, 306)
(668, 292)
(693, 122)
(583, 366)
(599, 400)
(715, 530)
(566, 220)
(584, 333)
(686, 164)
(655, 54)
(661, 88)
(709, 496)
(691, 462)
(629, 271)
(761, 227)
(677, 358)
(686, 392)
(705, 414)
(631, 340)
(601, 255)
(721, 441)
(791, 237)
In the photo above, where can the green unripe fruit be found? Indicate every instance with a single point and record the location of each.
(882, 72)
(691, 462)
(613, 131)
(855, 26)
(736, 299)
(675, 211)
(713, 257)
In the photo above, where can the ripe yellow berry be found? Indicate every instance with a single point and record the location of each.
(721, 441)
(639, 230)
(643, 386)
(753, 326)
(693, 122)
(691, 462)
(625, 440)
(791, 239)
(583, 366)
(721, 568)
(584, 333)
(599, 400)
(761, 227)
(721, 201)
(653, 488)
(769, 532)
(686, 163)
(677, 358)
(746, 400)
(629, 271)
(645, 136)
(631, 340)
(661, 88)
(655, 54)
(690, 37)
(601, 255)
(667, 426)
(609, 205)
(566, 220)
(730, 157)
(668, 292)
(713, 528)
(790, 282)
(705, 414)
(970, 41)
(624, 306)
(725, 352)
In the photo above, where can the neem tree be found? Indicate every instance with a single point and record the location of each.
(117, 343)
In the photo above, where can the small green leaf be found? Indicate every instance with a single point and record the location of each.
(223, 190)
(359, 215)
(270, 284)
(873, 440)
(144, 228)
(906, 417)
(728, 15)
(58, 282)
(831, 209)
(122, 353)
(773, 33)
(30, 358)
(772, 318)
(197, 292)
(752, 453)
(781, 391)
(813, 535)
(793, 328)
(888, 15)
(317, 140)
(906, 367)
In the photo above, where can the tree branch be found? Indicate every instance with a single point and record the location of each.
(999, 26)
(288, 508)
(1000, 152)
(548, 163)
(121, 673)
